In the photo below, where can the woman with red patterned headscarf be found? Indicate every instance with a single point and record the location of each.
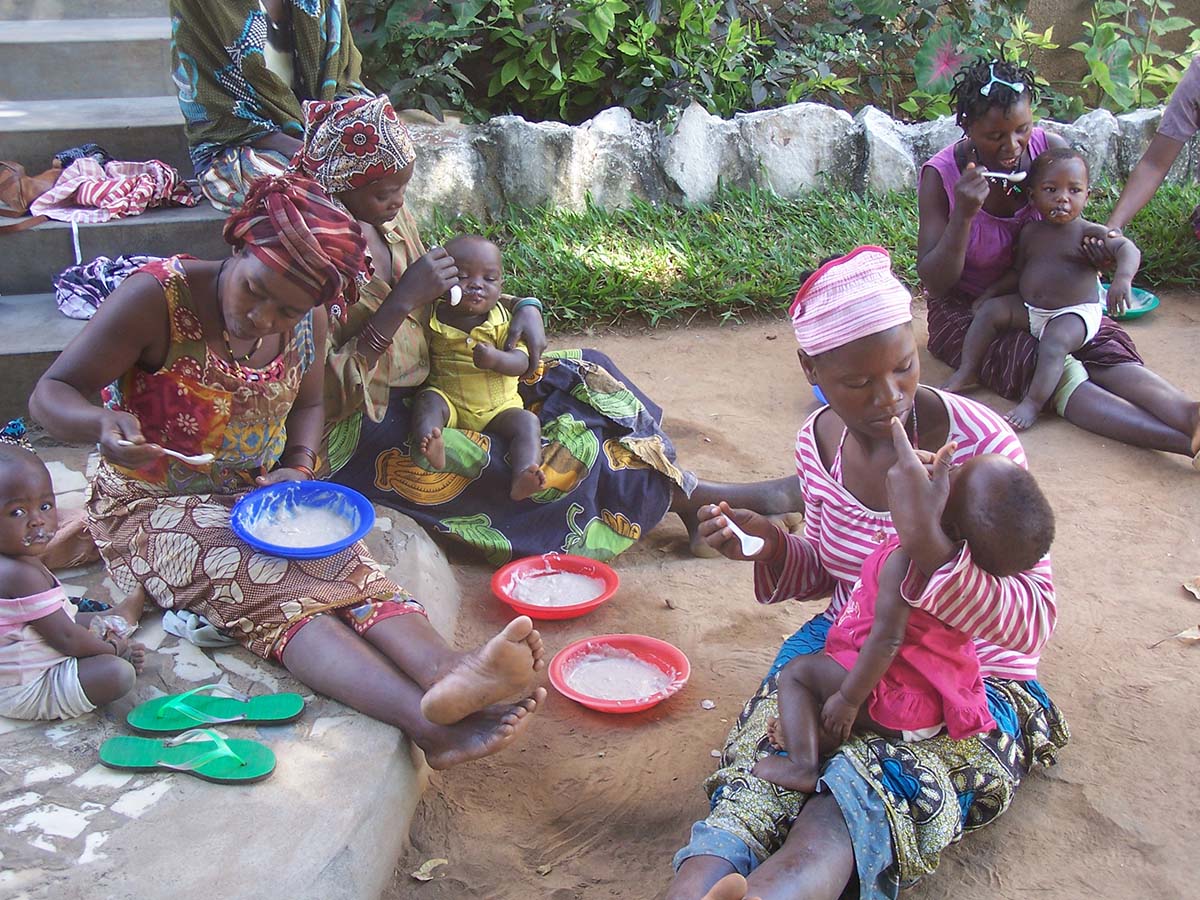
(224, 358)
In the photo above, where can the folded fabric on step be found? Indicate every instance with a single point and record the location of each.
(194, 628)
(95, 151)
(79, 290)
(88, 193)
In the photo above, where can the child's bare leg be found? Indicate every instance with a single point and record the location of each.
(524, 433)
(804, 685)
(107, 678)
(1062, 335)
(993, 316)
(430, 415)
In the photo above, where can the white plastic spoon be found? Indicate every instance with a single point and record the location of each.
(455, 295)
(201, 460)
(750, 543)
(1014, 177)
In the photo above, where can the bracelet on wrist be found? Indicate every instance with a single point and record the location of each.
(375, 339)
(113, 644)
(528, 301)
(308, 473)
(309, 452)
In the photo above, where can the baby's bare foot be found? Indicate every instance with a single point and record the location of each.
(500, 668)
(136, 655)
(782, 771)
(130, 609)
(433, 448)
(775, 733)
(1022, 415)
(959, 381)
(527, 483)
(731, 887)
(480, 734)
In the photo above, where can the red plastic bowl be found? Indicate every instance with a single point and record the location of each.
(554, 562)
(666, 657)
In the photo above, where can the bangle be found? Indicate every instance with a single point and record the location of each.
(528, 301)
(113, 644)
(305, 471)
(375, 340)
(301, 448)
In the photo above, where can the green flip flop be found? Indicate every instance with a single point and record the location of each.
(202, 752)
(213, 704)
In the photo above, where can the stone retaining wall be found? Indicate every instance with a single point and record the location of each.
(479, 169)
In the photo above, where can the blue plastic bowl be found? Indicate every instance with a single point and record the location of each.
(345, 502)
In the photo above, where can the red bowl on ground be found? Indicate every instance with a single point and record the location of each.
(660, 654)
(548, 563)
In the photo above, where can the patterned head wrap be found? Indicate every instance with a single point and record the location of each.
(849, 298)
(352, 142)
(293, 226)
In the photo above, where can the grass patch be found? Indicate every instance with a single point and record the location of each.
(744, 254)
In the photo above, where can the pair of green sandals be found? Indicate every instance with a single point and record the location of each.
(196, 749)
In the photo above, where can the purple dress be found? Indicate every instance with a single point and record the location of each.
(991, 250)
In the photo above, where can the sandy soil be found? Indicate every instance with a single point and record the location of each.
(594, 806)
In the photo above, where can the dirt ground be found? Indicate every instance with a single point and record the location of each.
(594, 806)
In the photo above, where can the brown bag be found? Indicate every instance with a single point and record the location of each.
(18, 190)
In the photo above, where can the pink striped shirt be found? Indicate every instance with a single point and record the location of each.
(1011, 618)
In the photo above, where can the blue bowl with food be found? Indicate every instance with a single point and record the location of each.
(302, 519)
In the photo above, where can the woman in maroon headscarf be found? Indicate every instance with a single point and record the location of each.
(224, 357)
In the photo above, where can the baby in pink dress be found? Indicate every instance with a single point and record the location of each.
(895, 670)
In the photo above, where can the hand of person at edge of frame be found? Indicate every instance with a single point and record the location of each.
(918, 484)
(527, 325)
(837, 717)
(1095, 248)
(117, 427)
(280, 475)
(431, 276)
(715, 532)
(971, 191)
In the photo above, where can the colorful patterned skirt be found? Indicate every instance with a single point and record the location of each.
(609, 467)
(914, 798)
(182, 550)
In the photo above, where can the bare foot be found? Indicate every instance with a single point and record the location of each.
(527, 483)
(481, 734)
(731, 887)
(1196, 437)
(1022, 415)
(502, 667)
(775, 733)
(136, 655)
(960, 380)
(784, 772)
(434, 449)
(130, 609)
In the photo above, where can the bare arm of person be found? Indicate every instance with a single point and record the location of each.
(306, 419)
(130, 328)
(431, 276)
(1144, 180)
(71, 639)
(1128, 258)
(917, 491)
(279, 142)
(942, 235)
(878, 651)
(505, 362)
(527, 327)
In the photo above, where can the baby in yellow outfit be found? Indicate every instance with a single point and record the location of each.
(472, 382)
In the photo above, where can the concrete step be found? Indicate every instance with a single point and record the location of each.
(46, 59)
(32, 258)
(34, 333)
(32, 131)
(13, 10)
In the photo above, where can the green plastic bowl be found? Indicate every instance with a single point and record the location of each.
(1141, 302)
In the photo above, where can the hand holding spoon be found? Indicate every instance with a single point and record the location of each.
(202, 459)
(750, 544)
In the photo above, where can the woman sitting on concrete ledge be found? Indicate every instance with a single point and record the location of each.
(224, 357)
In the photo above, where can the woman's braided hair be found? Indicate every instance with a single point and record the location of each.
(969, 104)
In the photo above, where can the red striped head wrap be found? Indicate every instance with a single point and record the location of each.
(849, 298)
(293, 226)
(352, 142)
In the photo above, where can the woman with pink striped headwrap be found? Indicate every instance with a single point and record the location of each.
(873, 468)
(222, 361)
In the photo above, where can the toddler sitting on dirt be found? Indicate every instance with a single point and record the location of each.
(472, 382)
(896, 670)
(51, 665)
(1059, 302)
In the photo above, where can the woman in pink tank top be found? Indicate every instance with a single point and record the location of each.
(968, 230)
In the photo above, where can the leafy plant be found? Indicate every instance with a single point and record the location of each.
(1127, 66)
